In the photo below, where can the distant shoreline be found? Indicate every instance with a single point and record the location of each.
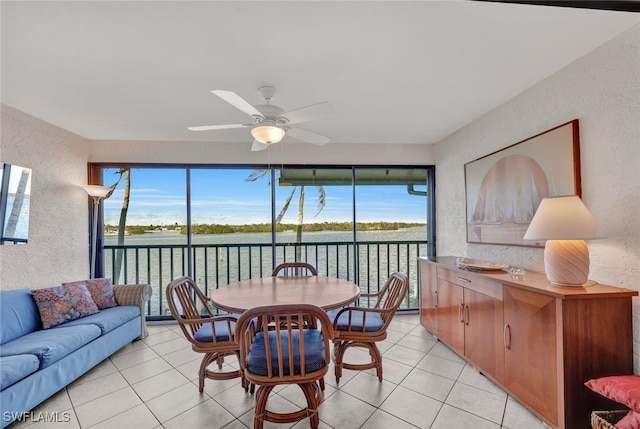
(112, 230)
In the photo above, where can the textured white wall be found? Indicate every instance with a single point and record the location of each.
(57, 250)
(287, 153)
(602, 90)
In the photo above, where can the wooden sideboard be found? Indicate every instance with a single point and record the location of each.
(540, 343)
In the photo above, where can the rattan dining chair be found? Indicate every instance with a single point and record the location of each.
(209, 334)
(273, 354)
(365, 326)
(294, 269)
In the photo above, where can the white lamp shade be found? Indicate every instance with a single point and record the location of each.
(562, 218)
(97, 190)
(268, 134)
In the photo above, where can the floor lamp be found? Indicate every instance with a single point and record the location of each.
(97, 193)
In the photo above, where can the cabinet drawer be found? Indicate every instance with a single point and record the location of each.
(473, 282)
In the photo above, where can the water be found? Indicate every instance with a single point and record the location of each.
(220, 259)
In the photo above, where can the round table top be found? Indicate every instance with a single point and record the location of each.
(325, 292)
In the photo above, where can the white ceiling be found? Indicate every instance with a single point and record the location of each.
(396, 72)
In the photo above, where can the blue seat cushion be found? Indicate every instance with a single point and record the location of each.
(15, 368)
(373, 320)
(51, 345)
(313, 352)
(106, 319)
(205, 333)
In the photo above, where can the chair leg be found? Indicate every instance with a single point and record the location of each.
(376, 356)
(202, 373)
(261, 406)
(336, 356)
(313, 394)
(340, 348)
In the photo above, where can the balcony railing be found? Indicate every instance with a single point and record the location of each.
(216, 265)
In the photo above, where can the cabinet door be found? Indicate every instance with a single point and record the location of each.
(428, 295)
(531, 367)
(450, 314)
(483, 333)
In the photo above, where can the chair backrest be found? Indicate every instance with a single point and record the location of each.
(391, 295)
(266, 347)
(294, 269)
(188, 305)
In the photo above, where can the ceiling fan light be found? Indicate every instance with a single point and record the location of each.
(268, 134)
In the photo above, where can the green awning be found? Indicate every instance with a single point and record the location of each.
(365, 176)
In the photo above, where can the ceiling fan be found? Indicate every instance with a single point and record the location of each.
(270, 122)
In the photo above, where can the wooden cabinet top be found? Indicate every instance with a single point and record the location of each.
(537, 282)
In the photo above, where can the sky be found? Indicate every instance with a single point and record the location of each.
(224, 196)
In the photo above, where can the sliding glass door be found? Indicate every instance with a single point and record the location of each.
(221, 224)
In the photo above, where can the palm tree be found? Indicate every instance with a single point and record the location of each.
(322, 198)
(123, 218)
(14, 216)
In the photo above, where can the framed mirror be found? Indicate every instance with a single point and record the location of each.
(15, 203)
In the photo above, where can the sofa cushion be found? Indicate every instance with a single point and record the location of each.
(51, 345)
(15, 368)
(101, 291)
(18, 314)
(63, 303)
(108, 319)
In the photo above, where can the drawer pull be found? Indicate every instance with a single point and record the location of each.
(466, 314)
(506, 336)
(435, 299)
(461, 313)
(463, 279)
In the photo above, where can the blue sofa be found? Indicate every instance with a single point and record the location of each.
(35, 363)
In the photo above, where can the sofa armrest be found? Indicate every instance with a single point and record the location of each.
(135, 295)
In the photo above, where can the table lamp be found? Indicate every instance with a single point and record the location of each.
(565, 222)
(97, 193)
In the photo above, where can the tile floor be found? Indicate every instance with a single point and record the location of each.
(153, 384)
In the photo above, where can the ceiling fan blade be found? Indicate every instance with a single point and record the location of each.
(257, 146)
(217, 127)
(308, 136)
(238, 102)
(310, 113)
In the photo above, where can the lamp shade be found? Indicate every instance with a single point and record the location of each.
(562, 218)
(97, 190)
(268, 134)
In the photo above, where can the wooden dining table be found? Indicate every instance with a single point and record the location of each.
(327, 293)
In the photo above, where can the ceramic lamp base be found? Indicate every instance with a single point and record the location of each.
(566, 262)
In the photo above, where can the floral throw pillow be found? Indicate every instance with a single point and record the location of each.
(101, 291)
(64, 303)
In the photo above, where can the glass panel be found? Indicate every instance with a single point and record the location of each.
(229, 214)
(314, 207)
(391, 214)
(145, 228)
(231, 218)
